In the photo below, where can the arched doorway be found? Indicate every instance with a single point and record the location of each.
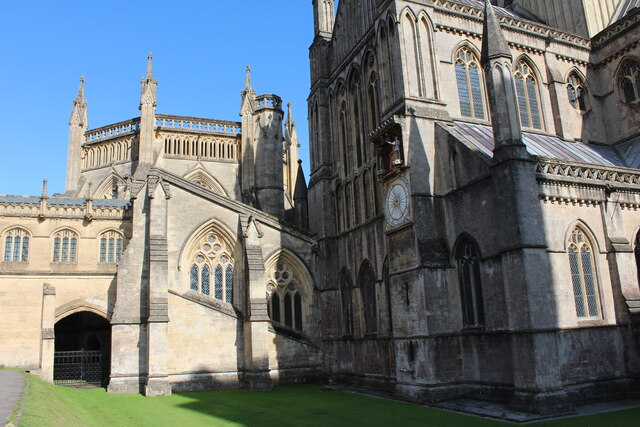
(82, 350)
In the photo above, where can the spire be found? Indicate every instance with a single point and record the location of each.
(247, 84)
(290, 115)
(150, 66)
(300, 191)
(494, 44)
(79, 110)
(148, 95)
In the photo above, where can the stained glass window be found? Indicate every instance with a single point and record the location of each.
(528, 96)
(297, 309)
(212, 262)
(468, 257)
(470, 91)
(205, 278)
(16, 246)
(285, 299)
(111, 247)
(583, 275)
(630, 81)
(275, 307)
(288, 312)
(65, 246)
(576, 92)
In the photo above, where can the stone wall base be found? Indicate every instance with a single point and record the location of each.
(157, 387)
(125, 385)
(545, 403)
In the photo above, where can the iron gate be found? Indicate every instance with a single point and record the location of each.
(79, 369)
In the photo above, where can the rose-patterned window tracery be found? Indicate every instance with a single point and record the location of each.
(212, 269)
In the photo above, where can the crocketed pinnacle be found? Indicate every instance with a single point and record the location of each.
(494, 45)
(247, 84)
(150, 66)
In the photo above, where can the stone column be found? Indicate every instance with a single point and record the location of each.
(158, 379)
(256, 328)
(48, 335)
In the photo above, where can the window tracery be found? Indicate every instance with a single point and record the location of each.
(528, 97)
(16, 248)
(583, 275)
(212, 258)
(468, 77)
(367, 282)
(285, 298)
(577, 92)
(111, 247)
(65, 246)
(630, 81)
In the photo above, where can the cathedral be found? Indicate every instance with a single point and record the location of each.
(470, 228)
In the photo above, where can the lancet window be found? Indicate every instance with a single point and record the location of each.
(528, 96)
(577, 92)
(468, 76)
(65, 247)
(468, 261)
(285, 297)
(367, 281)
(583, 275)
(346, 303)
(16, 245)
(212, 269)
(111, 247)
(630, 81)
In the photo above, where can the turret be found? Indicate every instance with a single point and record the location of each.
(496, 62)
(148, 103)
(268, 159)
(78, 124)
(323, 17)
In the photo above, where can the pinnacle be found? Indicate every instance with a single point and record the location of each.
(493, 42)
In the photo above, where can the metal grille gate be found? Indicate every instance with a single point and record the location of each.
(81, 369)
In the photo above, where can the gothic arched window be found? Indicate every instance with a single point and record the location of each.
(468, 260)
(583, 275)
(468, 76)
(65, 246)
(528, 96)
(110, 246)
(346, 303)
(212, 269)
(16, 245)
(577, 92)
(630, 81)
(373, 103)
(367, 281)
(285, 298)
(344, 143)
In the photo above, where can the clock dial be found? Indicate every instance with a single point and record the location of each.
(397, 203)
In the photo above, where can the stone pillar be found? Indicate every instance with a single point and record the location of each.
(158, 379)
(48, 335)
(256, 328)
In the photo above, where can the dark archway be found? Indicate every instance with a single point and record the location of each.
(82, 350)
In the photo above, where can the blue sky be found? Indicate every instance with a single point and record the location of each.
(200, 48)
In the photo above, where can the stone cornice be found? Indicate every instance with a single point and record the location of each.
(615, 30)
(578, 172)
(530, 28)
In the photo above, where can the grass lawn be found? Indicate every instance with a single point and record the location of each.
(298, 405)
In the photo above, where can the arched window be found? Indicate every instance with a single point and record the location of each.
(16, 245)
(367, 281)
(411, 54)
(110, 247)
(630, 81)
(577, 92)
(468, 76)
(65, 246)
(212, 263)
(346, 303)
(356, 118)
(583, 275)
(285, 299)
(528, 97)
(468, 260)
(373, 104)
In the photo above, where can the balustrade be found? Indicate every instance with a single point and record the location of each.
(110, 131)
(197, 124)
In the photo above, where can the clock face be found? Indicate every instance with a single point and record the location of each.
(397, 203)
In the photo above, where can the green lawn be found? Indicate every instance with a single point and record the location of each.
(300, 405)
